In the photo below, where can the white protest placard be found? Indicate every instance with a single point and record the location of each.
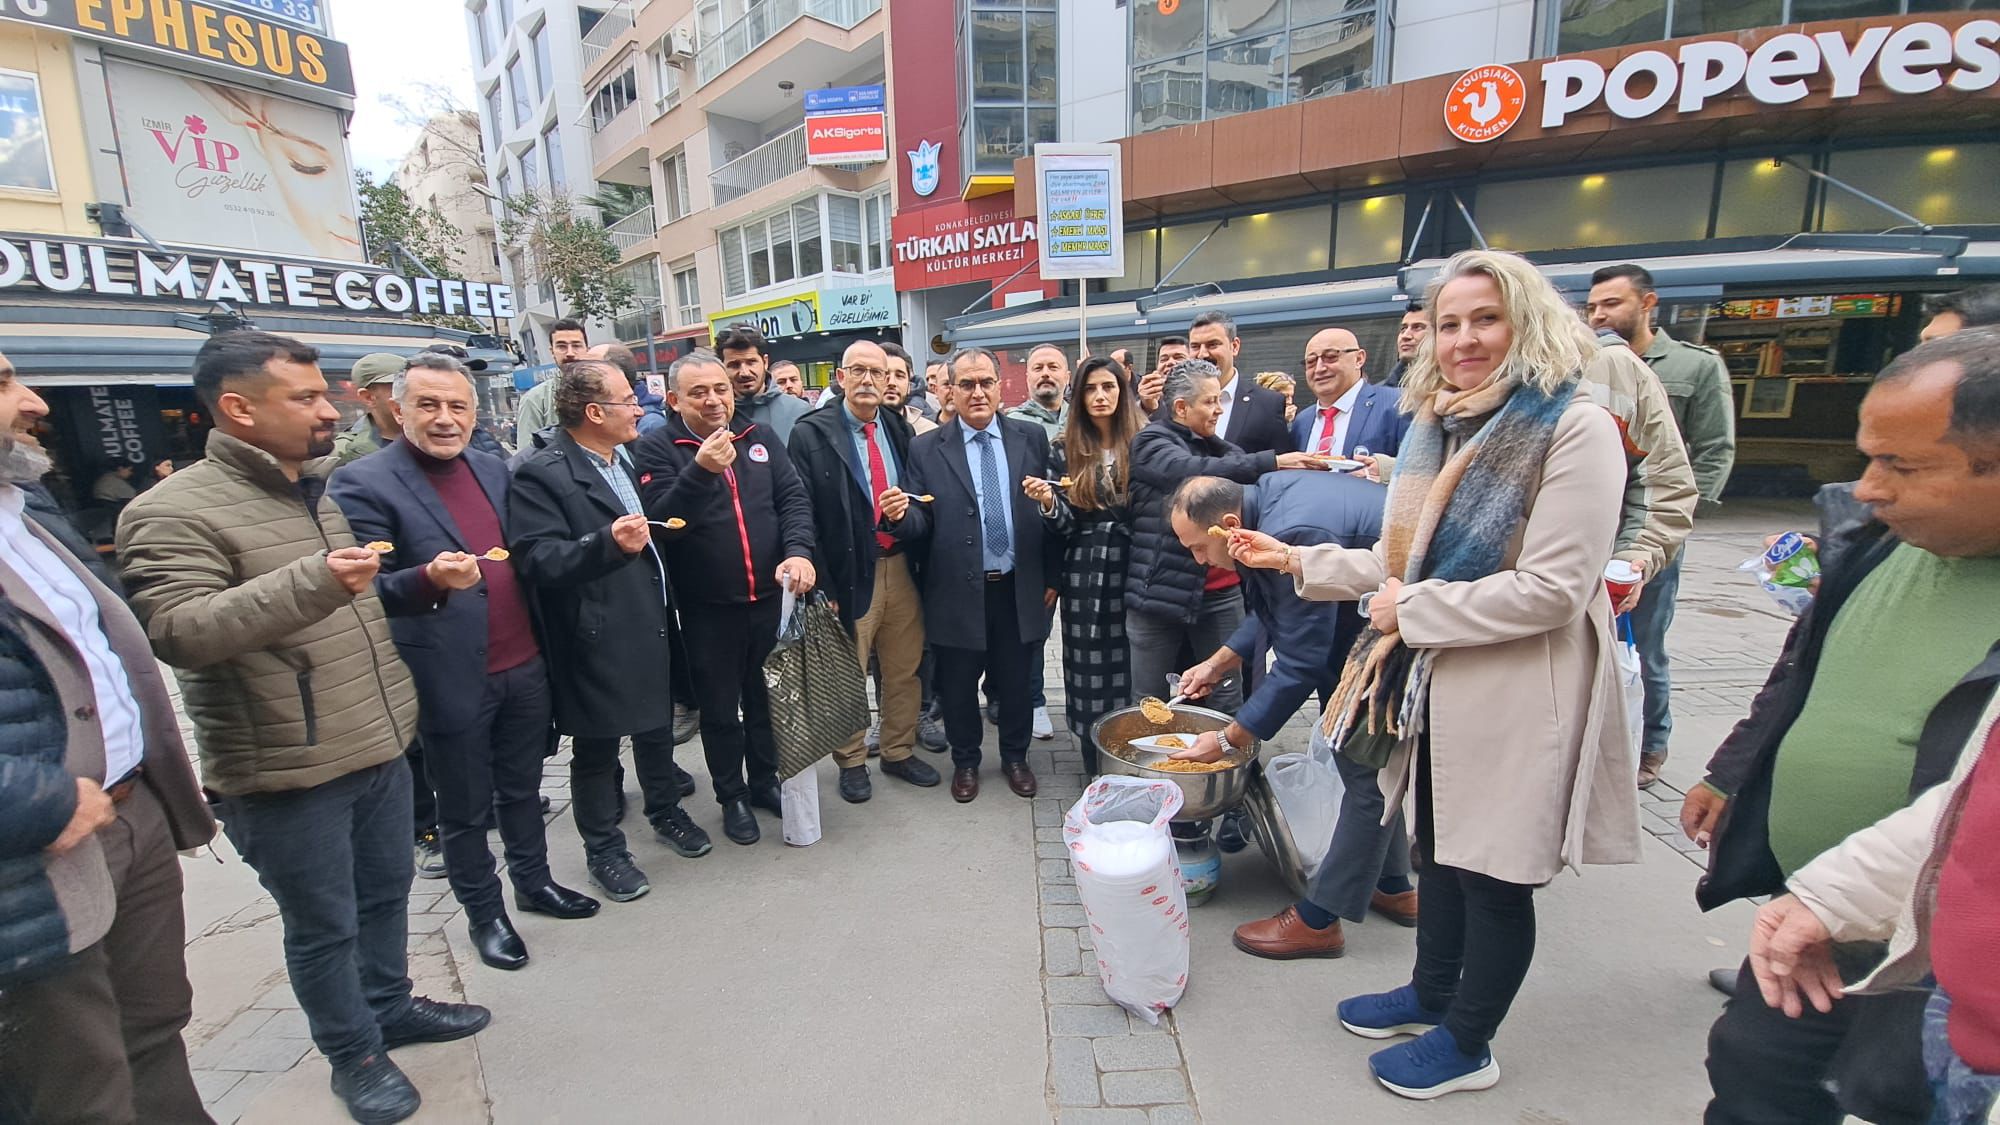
(1080, 196)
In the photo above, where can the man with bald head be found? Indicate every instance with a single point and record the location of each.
(850, 454)
(1350, 413)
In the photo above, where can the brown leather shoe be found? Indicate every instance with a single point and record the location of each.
(1020, 778)
(1650, 764)
(1398, 908)
(1286, 937)
(964, 783)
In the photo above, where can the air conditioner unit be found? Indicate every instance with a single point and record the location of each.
(680, 44)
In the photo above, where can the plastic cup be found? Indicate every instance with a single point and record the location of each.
(1620, 579)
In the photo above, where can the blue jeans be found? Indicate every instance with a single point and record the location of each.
(1651, 619)
(336, 859)
(1961, 1095)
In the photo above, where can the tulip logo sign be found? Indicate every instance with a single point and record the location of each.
(1485, 102)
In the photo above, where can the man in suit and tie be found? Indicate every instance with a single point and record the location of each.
(995, 530)
(1253, 417)
(1351, 413)
(581, 539)
(462, 623)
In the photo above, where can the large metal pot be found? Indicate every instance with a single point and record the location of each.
(1203, 795)
(1273, 835)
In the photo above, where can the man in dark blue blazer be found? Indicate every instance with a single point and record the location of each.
(1350, 412)
(1366, 867)
(463, 623)
(977, 491)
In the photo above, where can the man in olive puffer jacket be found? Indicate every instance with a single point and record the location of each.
(251, 586)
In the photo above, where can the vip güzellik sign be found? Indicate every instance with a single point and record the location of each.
(847, 138)
(110, 270)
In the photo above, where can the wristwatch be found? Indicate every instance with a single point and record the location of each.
(1229, 749)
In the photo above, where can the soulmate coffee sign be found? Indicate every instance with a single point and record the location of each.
(106, 269)
(213, 164)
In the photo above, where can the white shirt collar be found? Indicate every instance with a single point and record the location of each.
(1345, 403)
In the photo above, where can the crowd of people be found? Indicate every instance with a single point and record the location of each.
(381, 633)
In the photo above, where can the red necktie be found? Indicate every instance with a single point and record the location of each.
(878, 480)
(1326, 430)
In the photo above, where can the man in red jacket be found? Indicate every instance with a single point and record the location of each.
(745, 530)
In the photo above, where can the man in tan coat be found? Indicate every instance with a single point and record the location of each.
(251, 586)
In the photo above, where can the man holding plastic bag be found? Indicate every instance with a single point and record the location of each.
(737, 527)
(1365, 864)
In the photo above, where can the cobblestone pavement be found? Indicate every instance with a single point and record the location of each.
(254, 1062)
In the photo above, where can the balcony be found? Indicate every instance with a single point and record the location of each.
(762, 166)
(615, 144)
(761, 23)
(605, 32)
(633, 229)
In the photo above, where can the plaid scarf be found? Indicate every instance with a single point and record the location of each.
(1450, 518)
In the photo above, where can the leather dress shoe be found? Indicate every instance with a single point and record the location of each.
(375, 1090)
(911, 770)
(1019, 777)
(498, 944)
(1723, 981)
(739, 823)
(1286, 937)
(769, 797)
(1398, 908)
(964, 783)
(435, 1021)
(556, 901)
(854, 784)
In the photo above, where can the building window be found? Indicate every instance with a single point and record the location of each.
(506, 185)
(479, 17)
(844, 234)
(517, 87)
(801, 242)
(1616, 208)
(552, 149)
(687, 295)
(506, 15)
(1587, 25)
(538, 46)
(1200, 59)
(493, 118)
(1008, 89)
(666, 79)
(531, 171)
(877, 210)
(1943, 185)
(674, 176)
(806, 236)
(612, 98)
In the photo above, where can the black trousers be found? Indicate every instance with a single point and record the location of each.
(1766, 1068)
(1004, 661)
(593, 785)
(423, 799)
(735, 640)
(678, 680)
(493, 768)
(1475, 935)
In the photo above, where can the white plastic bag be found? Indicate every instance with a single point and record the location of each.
(800, 794)
(1309, 790)
(1630, 681)
(1130, 883)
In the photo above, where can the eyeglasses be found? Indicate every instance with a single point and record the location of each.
(1331, 355)
(984, 385)
(866, 372)
(627, 403)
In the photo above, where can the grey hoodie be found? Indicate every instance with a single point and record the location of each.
(774, 408)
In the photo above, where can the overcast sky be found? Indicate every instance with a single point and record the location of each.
(400, 47)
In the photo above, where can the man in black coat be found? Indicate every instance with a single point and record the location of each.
(745, 531)
(1253, 416)
(1173, 603)
(853, 454)
(1363, 868)
(463, 625)
(995, 529)
(581, 539)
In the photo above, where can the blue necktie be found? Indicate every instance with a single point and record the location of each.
(991, 514)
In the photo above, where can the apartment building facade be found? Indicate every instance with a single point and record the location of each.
(445, 169)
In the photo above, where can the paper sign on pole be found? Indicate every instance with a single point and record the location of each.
(1080, 193)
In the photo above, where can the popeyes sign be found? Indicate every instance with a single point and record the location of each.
(1908, 59)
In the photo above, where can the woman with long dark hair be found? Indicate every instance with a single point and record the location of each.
(1094, 451)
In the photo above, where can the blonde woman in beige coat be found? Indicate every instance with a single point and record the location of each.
(1486, 684)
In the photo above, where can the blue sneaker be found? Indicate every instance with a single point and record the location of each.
(1431, 1066)
(1385, 1015)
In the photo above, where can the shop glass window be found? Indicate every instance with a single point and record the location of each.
(1141, 262)
(517, 87)
(843, 231)
(1368, 232)
(1162, 29)
(805, 225)
(731, 241)
(24, 159)
(1600, 209)
(1166, 94)
(1941, 184)
(1267, 244)
(1332, 58)
(1761, 197)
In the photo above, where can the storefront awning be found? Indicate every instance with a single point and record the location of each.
(1290, 304)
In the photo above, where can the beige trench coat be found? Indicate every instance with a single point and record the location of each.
(1531, 761)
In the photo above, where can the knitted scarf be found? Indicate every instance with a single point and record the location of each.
(1450, 518)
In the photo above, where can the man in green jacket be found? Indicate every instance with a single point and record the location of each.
(1696, 381)
(251, 586)
(375, 383)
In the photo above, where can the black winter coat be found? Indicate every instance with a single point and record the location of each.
(741, 522)
(1161, 578)
(843, 508)
(37, 798)
(603, 612)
